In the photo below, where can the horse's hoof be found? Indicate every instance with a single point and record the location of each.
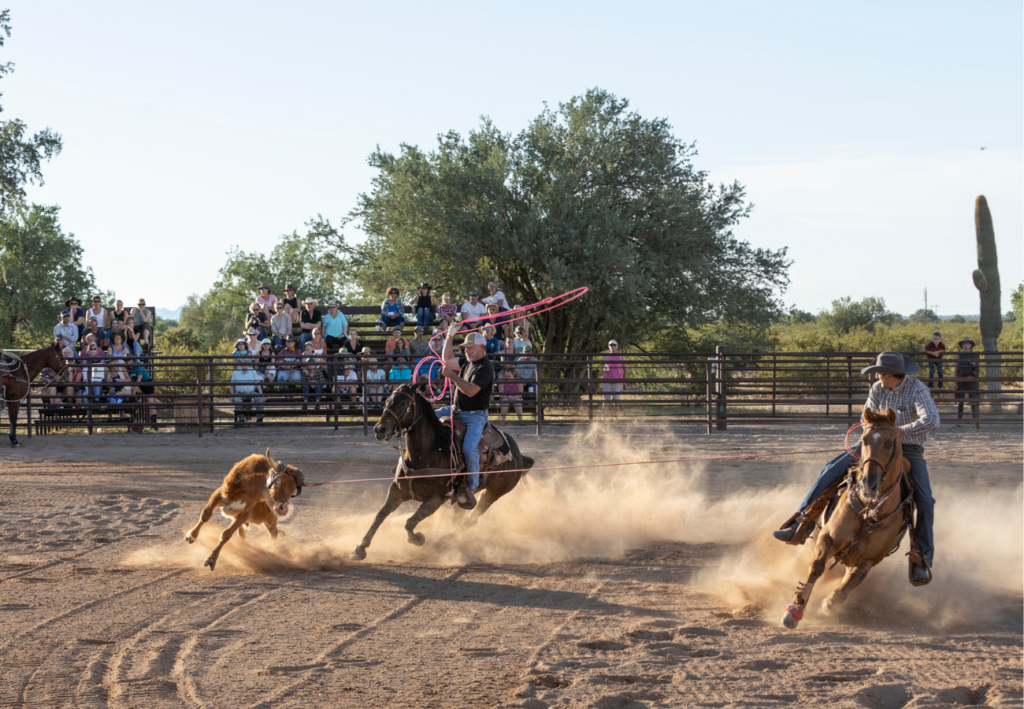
(826, 606)
(189, 538)
(211, 562)
(417, 539)
(792, 617)
(358, 554)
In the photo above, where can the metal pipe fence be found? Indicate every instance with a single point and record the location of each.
(712, 390)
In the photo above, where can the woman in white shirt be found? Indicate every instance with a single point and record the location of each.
(97, 311)
(375, 374)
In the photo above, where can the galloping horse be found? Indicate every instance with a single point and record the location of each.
(428, 452)
(870, 516)
(21, 373)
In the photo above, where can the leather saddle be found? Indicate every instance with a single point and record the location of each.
(494, 449)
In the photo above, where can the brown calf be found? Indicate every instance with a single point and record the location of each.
(256, 491)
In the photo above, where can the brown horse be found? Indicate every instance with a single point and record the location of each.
(19, 375)
(870, 515)
(428, 452)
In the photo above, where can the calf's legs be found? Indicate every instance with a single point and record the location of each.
(215, 501)
(211, 561)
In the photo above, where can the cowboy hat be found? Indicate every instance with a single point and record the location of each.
(311, 299)
(966, 339)
(892, 363)
(67, 303)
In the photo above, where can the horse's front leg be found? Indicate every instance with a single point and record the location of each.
(853, 578)
(795, 611)
(396, 496)
(429, 507)
(12, 416)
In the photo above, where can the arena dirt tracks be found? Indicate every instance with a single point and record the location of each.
(582, 592)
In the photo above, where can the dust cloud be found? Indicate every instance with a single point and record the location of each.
(604, 512)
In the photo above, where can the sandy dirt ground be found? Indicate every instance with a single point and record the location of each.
(640, 586)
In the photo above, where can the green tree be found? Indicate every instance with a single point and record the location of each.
(958, 319)
(21, 155)
(923, 315)
(847, 315)
(304, 260)
(589, 194)
(40, 268)
(1017, 301)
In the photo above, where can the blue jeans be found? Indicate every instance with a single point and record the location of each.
(475, 422)
(315, 388)
(932, 368)
(305, 337)
(278, 342)
(836, 469)
(390, 324)
(424, 316)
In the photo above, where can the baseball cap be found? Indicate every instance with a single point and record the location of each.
(473, 292)
(473, 339)
(613, 342)
(528, 348)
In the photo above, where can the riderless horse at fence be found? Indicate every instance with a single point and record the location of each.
(17, 374)
(866, 514)
(426, 450)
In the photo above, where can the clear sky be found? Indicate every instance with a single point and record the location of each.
(856, 127)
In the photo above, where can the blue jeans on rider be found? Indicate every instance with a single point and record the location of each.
(475, 422)
(424, 316)
(836, 469)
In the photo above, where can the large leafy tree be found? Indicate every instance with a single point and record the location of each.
(21, 154)
(589, 194)
(40, 268)
(301, 259)
(847, 315)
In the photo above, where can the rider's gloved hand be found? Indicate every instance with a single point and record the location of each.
(452, 329)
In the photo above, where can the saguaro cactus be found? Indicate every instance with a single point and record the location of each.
(986, 280)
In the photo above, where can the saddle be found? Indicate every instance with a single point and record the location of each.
(822, 508)
(494, 448)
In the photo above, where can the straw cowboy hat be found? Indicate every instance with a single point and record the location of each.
(965, 339)
(892, 363)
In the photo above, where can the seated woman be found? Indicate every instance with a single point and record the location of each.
(392, 312)
(134, 341)
(495, 320)
(425, 306)
(447, 311)
(347, 386)
(510, 392)
(143, 389)
(521, 340)
(374, 391)
(258, 319)
(117, 347)
(493, 343)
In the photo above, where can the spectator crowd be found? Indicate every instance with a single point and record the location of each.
(292, 346)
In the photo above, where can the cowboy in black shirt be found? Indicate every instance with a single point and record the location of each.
(473, 377)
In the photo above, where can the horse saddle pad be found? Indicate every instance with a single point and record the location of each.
(494, 450)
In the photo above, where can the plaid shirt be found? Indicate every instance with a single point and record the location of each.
(915, 410)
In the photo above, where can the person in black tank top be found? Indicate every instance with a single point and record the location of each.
(426, 306)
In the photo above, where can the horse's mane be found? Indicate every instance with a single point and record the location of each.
(442, 434)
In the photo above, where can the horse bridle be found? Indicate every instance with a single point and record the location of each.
(398, 419)
(872, 512)
(865, 461)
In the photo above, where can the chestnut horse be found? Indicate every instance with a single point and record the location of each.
(19, 376)
(428, 452)
(870, 515)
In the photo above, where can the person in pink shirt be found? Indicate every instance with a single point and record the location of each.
(614, 373)
(266, 300)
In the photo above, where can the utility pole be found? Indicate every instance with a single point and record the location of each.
(925, 298)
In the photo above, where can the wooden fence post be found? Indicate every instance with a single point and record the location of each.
(590, 389)
(710, 394)
(849, 384)
(775, 378)
(362, 378)
(540, 408)
(210, 379)
(720, 403)
(199, 399)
